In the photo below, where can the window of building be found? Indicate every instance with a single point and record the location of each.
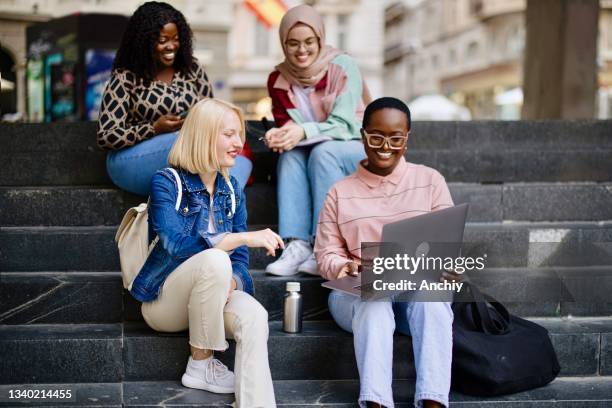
(609, 36)
(475, 6)
(472, 50)
(262, 40)
(516, 39)
(452, 56)
(434, 61)
(343, 27)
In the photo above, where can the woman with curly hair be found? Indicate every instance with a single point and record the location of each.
(155, 81)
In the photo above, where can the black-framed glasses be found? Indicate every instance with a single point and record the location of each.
(376, 140)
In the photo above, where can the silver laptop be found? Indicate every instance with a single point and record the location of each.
(416, 235)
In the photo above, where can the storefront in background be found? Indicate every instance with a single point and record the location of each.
(69, 62)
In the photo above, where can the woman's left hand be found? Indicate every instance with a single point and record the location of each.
(288, 139)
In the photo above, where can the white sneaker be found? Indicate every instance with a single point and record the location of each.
(295, 253)
(309, 266)
(209, 375)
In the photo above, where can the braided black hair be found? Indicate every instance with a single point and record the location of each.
(385, 102)
(141, 35)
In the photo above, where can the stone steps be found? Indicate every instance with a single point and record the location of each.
(65, 319)
(506, 244)
(133, 352)
(564, 392)
(98, 297)
(83, 206)
(478, 151)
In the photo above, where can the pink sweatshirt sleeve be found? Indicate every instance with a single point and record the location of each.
(441, 197)
(330, 247)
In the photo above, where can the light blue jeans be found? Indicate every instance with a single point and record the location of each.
(131, 168)
(373, 324)
(305, 175)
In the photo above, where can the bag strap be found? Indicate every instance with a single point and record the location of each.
(180, 191)
(488, 323)
(233, 196)
(179, 196)
(179, 185)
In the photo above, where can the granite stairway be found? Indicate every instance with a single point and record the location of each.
(65, 320)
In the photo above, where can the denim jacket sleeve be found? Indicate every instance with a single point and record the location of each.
(166, 222)
(240, 256)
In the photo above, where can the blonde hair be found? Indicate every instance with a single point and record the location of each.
(195, 147)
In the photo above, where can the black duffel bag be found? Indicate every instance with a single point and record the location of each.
(495, 353)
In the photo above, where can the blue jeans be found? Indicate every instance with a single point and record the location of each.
(131, 168)
(305, 175)
(373, 325)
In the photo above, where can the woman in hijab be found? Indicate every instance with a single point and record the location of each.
(318, 97)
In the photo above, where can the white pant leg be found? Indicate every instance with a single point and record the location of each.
(194, 296)
(246, 321)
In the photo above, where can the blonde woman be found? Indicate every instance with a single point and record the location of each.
(197, 275)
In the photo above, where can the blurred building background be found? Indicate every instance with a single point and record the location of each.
(472, 51)
(453, 53)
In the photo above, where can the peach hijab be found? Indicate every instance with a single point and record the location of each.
(312, 74)
(316, 71)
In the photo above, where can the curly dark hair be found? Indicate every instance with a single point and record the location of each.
(140, 37)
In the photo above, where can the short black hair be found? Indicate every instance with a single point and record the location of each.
(137, 46)
(386, 102)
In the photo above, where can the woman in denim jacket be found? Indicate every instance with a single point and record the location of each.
(197, 275)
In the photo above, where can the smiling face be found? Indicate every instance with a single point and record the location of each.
(167, 45)
(302, 46)
(387, 122)
(229, 143)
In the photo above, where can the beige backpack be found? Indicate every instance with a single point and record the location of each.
(132, 238)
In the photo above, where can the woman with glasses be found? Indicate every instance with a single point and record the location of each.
(385, 188)
(318, 97)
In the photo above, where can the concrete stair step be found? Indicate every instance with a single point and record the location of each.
(133, 352)
(90, 206)
(98, 297)
(478, 151)
(506, 244)
(105, 394)
(591, 391)
(564, 392)
(471, 135)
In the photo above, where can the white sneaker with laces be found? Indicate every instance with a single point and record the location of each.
(209, 375)
(295, 253)
(309, 266)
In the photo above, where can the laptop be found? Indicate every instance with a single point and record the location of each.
(416, 235)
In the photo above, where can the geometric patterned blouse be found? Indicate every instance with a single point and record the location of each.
(129, 108)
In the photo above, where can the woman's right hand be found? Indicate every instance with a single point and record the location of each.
(271, 137)
(348, 269)
(266, 238)
(167, 124)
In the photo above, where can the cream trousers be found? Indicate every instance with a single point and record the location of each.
(194, 296)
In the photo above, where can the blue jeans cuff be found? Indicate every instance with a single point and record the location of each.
(373, 398)
(422, 396)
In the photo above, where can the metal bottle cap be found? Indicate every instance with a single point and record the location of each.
(293, 286)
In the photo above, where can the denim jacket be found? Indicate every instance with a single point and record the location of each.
(184, 233)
